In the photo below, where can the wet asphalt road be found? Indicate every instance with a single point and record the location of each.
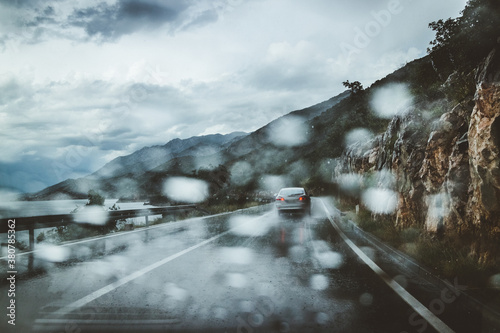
(250, 271)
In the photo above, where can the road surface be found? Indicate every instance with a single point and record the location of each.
(250, 271)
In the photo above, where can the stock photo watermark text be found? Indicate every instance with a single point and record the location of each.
(11, 272)
(364, 35)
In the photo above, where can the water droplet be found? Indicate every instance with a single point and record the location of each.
(236, 280)
(236, 255)
(380, 200)
(52, 253)
(322, 318)
(184, 189)
(288, 132)
(319, 282)
(401, 280)
(91, 214)
(366, 299)
(391, 100)
(330, 259)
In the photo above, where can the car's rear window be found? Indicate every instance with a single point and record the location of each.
(291, 191)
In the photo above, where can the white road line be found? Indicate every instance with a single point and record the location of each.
(100, 292)
(430, 317)
(99, 322)
(117, 234)
(126, 233)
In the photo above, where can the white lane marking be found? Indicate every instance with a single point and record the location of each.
(126, 233)
(110, 287)
(99, 322)
(118, 234)
(430, 317)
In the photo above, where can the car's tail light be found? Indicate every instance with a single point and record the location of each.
(280, 199)
(302, 199)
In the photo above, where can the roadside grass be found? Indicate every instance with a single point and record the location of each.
(448, 257)
(451, 257)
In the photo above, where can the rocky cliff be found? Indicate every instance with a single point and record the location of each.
(444, 172)
(483, 206)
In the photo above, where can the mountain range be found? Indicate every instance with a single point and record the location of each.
(138, 176)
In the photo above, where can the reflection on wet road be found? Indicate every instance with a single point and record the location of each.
(242, 272)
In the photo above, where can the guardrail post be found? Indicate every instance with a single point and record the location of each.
(31, 232)
(32, 238)
(146, 233)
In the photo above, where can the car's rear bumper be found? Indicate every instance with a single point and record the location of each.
(292, 207)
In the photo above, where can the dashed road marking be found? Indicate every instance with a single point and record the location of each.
(110, 287)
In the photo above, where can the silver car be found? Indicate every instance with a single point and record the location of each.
(290, 199)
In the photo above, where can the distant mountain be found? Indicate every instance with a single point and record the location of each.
(136, 176)
(149, 158)
(316, 110)
(111, 179)
(261, 136)
(299, 148)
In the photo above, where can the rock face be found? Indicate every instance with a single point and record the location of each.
(446, 173)
(484, 151)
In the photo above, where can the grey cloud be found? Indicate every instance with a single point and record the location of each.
(204, 18)
(21, 175)
(111, 144)
(21, 3)
(43, 17)
(150, 10)
(34, 126)
(278, 79)
(40, 20)
(107, 22)
(34, 173)
(284, 76)
(115, 139)
(10, 91)
(49, 11)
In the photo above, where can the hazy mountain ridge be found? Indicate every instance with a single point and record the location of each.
(149, 158)
(128, 176)
(325, 125)
(260, 137)
(118, 173)
(138, 175)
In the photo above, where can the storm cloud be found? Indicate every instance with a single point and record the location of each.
(100, 21)
(83, 82)
(127, 16)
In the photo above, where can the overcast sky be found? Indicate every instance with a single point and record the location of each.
(82, 82)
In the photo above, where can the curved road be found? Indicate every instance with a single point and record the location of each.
(239, 272)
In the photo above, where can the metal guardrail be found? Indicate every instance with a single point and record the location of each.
(26, 263)
(407, 264)
(48, 221)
